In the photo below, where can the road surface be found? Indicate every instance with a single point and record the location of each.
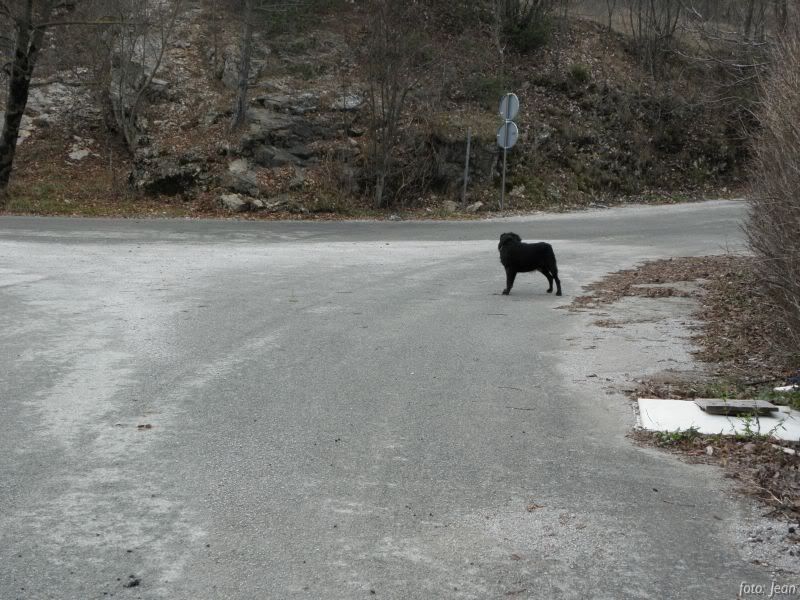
(246, 410)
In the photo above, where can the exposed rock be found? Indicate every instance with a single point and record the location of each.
(166, 175)
(449, 206)
(43, 121)
(79, 150)
(79, 155)
(226, 66)
(159, 89)
(279, 202)
(239, 166)
(295, 104)
(52, 97)
(265, 126)
(270, 156)
(301, 151)
(234, 202)
(475, 207)
(348, 102)
(239, 178)
(517, 191)
(298, 180)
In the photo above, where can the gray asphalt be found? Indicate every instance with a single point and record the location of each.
(224, 409)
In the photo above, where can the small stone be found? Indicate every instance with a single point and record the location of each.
(298, 180)
(710, 450)
(475, 207)
(233, 202)
(449, 206)
(239, 166)
(348, 102)
(79, 155)
(518, 191)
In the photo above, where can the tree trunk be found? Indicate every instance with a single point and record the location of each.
(240, 109)
(26, 51)
(748, 21)
(379, 186)
(782, 14)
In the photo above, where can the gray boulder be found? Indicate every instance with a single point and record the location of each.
(234, 202)
(449, 206)
(292, 103)
(348, 102)
(240, 178)
(270, 156)
(165, 175)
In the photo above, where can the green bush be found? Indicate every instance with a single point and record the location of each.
(528, 37)
(579, 73)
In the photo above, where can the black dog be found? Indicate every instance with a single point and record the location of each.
(519, 257)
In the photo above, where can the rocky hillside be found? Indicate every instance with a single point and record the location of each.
(594, 127)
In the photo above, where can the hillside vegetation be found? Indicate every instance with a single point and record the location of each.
(360, 106)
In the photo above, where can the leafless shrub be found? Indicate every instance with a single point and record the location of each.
(395, 54)
(653, 24)
(774, 222)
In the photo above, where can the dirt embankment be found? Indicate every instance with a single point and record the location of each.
(595, 128)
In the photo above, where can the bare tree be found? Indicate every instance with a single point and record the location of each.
(653, 24)
(394, 57)
(139, 37)
(128, 28)
(523, 24)
(611, 6)
(30, 20)
(240, 108)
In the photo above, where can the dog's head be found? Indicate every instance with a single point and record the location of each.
(508, 238)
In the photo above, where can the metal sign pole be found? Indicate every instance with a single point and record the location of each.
(503, 185)
(466, 169)
(507, 135)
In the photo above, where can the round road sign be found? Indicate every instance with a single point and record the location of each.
(509, 106)
(507, 135)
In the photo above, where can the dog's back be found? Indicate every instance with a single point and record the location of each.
(529, 257)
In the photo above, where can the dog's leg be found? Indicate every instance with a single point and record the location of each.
(511, 274)
(558, 283)
(546, 273)
(554, 272)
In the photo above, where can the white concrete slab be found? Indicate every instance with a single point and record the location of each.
(671, 415)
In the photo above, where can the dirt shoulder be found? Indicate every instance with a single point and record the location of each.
(699, 327)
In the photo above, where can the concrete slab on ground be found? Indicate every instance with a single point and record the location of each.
(671, 415)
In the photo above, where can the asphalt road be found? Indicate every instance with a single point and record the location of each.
(246, 410)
